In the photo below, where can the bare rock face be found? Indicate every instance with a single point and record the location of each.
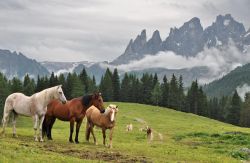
(189, 39)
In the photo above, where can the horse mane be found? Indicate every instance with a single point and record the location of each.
(107, 111)
(86, 100)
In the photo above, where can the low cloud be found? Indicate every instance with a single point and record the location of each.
(242, 90)
(219, 61)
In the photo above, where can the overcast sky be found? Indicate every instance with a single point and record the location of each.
(98, 30)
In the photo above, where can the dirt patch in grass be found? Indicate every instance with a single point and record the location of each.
(105, 156)
(98, 155)
(108, 156)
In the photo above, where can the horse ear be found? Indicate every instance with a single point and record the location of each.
(59, 86)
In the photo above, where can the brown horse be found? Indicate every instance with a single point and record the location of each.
(104, 121)
(73, 111)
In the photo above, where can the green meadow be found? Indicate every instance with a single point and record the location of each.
(185, 138)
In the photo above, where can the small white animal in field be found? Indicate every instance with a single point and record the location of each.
(129, 127)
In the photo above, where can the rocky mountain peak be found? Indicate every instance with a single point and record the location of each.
(186, 39)
(156, 36)
(222, 30)
(189, 39)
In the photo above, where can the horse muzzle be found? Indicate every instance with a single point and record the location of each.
(64, 102)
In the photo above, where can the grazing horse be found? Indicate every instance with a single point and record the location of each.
(34, 106)
(73, 111)
(104, 121)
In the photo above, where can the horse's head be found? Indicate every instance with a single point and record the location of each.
(59, 94)
(112, 109)
(97, 101)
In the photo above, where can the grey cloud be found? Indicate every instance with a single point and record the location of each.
(96, 29)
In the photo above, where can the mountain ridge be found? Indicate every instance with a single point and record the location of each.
(187, 40)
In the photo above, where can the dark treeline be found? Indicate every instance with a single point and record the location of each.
(145, 90)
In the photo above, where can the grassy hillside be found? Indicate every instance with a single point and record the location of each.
(227, 84)
(186, 138)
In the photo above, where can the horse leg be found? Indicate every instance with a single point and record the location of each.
(78, 125)
(92, 132)
(41, 127)
(110, 137)
(53, 119)
(72, 123)
(15, 115)
(35, 122)
(104, 135)
(87, 134)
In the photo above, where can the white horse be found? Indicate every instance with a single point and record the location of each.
(34, 106)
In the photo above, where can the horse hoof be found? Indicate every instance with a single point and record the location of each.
(71, 141)
(41, 140)
(36, 139)
(77, 142)
(15, 136)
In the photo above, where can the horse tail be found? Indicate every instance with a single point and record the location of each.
(87, 133)
(8, 108)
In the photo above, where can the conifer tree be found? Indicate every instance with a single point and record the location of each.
(156, 94)
(173, 92)
(106, 86)
(77, 86)
(165, 92)
(233, 116)
(245, 112)
(181, 96)
(85, 80)
(125, 84)
(4, 92)
(28, 85)
(16, 85)
(116, 85)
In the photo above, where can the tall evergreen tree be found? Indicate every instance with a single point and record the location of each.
(116, 85)
(53, 80)
(147, 87)
(233, 116)
(68, 86)
(125, 87)
(202, 103)
(173, 92)
(155, 80)
(165, 92)
(92, 85)
(85, 80)
(181, 96)
(77, 86)
(4, 92)
(28, 85)
(192, 98)
(16, 85)
(245, 112)
(106, 86)
(156, 94)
